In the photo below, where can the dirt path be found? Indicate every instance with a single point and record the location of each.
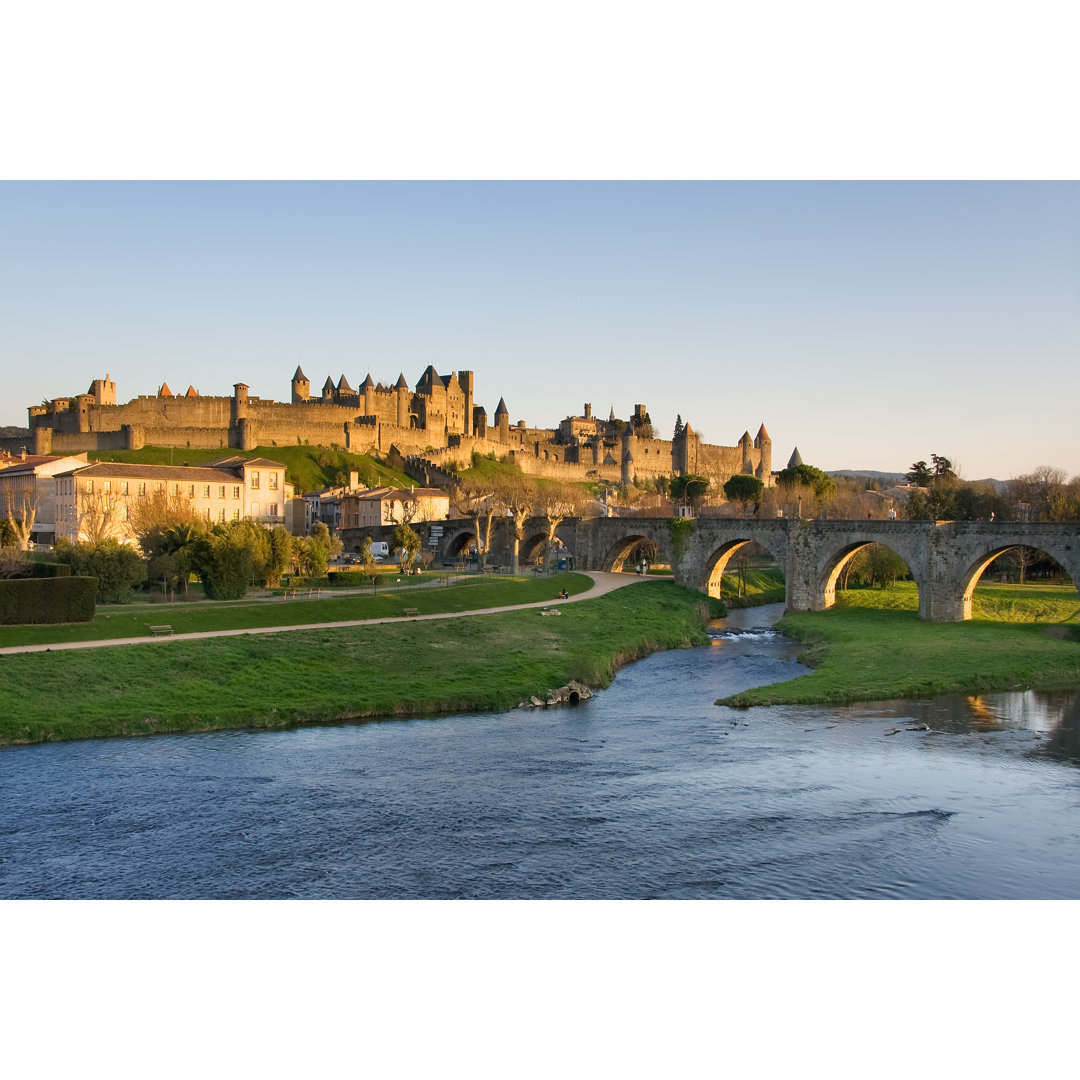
(602, 583)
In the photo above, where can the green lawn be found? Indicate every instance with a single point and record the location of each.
(872, 645)
(135, 620)
(394, 669)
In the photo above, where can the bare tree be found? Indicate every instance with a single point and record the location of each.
(101, 516)
(516, 496)
(476, 500)
(21, 506)
(556, 502)
(152, 516)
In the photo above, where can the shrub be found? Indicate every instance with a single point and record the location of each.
(47, 600)
(117, 567)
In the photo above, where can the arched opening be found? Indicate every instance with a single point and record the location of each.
(628, 555)
(1019, 583)
(868, 574)
(745, 574)
(460, 549)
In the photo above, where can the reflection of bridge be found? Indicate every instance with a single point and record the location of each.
(946, 559)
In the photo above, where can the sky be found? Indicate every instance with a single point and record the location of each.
(868, 323)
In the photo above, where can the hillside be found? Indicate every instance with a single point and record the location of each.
(308, 468)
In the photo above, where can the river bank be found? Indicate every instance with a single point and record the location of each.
(872, 646)
(406, 667)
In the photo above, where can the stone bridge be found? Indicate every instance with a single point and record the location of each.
(946, 558)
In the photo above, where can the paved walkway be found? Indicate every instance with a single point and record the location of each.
(602, 583)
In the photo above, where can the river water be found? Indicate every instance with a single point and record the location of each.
(648, 790)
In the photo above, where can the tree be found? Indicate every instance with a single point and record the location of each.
(678, 425)
(101, 518)
(744, 489)
(476, 499)
(227, 559)
(943, 469)
(151, 516)
(919, 474)
(556, 502)
(117, 567)
(807, 476)
(179, 542)
(407, 543)
(21, 506)
(279, 555)
(689, 487)
(516, 496)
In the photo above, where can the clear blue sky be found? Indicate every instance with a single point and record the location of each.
(870, 324)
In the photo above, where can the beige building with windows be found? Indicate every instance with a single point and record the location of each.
(28, 492)
(393, 506)
(97, 501)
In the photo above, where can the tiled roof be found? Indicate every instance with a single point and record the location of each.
(122, 470)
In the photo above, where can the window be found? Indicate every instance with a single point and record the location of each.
(176, 489)
(206, 511)
(273, 481)
(123, 487)
(236, 514)
(255, 481)
(191, 491)
(221, 491)
(159, 487)
(142, 487)
(206, 491)
(89, 487)
(127, 512)
(236, 492)
(108, 486)
(221, 514)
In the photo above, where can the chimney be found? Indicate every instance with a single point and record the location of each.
(22, 455)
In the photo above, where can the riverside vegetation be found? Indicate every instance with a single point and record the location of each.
(405, 668)
(872, 645)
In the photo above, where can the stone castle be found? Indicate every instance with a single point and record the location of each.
(433, 424)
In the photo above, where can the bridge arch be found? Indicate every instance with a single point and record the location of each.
(716, 563)
(618, 552)
(839, 559)
(970, 576)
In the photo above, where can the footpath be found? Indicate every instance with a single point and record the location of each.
(602, 583)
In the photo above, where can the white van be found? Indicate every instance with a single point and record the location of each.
(380, 549)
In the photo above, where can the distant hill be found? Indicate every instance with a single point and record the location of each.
(887, 479)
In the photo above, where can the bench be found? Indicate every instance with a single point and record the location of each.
(411, 612)
(312, 594)
(550, 611)
(159, 631)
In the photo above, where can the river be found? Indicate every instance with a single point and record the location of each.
(649, 790)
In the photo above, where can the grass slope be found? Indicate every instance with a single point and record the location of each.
(309, 468)
(872, 645)
(397, 669)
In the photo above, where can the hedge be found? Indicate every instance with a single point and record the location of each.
(24, 601)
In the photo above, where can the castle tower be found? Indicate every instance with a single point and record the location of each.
(502, 420)
(402, 388)
(795, 459)
(301, 388)
(479, 422)
(238, 407)
(763, 444)
(367, 389)
(103, 391)
(626, 474)
(746, 446)
(328, 391)
(467, 384)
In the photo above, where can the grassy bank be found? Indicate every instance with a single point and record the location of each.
(396, 669)
(135, 620)
(872, 645)
(763, 585)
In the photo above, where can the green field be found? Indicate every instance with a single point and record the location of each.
(135, 620)
(390, 669)
(872, 645)
(762, 585)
